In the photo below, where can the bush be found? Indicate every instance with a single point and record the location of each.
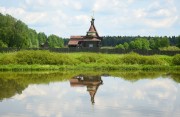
(120, 46)
(132, 58)
(2, 45)
(44, 57)
(89, 58)
(176, 59)
(33, 57)
(151, 60)
(167, 60)
(8, 58)
(110, 59)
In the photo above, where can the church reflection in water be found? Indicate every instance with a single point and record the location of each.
(91, 82)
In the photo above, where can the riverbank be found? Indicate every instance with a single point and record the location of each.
(45, 60)
(87, 67)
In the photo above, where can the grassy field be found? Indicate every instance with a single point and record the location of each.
(45, 60)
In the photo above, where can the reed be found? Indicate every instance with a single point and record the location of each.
(46, 60)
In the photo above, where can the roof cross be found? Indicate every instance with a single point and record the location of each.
(93, 14)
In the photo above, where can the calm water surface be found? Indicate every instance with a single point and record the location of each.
(83, 95)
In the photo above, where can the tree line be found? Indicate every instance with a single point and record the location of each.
(16, 34)
(138, 42)
(144, 44)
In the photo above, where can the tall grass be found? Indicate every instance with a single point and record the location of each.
(134, 58)
(176, 59)
(37, 57)
(85, 60)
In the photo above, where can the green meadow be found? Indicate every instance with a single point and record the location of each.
(46, 60)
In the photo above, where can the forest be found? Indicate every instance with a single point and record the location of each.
(16, 34)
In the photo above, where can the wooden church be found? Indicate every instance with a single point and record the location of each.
(90, 40)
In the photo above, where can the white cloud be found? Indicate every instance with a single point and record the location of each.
(140, 13)
(138, 94)
(164, 23)
(66, 17)
(130, 1)
(33, 18)
(156, 90)
(77, 6)
(163, 12)
(113, 6)
(82, 18)
(157, 16)
(32, 90)
(25, 16)
(12, 11)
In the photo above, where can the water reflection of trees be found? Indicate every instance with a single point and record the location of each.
(134, 76)
(9, 88)
(12, 83)
(91, 82)
(175, 77)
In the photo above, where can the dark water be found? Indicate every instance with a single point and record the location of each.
(53, 94)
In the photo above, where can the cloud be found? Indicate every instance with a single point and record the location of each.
(115, 17)
(82, 18)
(12, 11)
(140, 13)
(28, 17)
(164, 23)
(157, 16)
(156, 90)
(114, 7)
(32, 90)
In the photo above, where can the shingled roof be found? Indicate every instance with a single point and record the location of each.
(93, 28)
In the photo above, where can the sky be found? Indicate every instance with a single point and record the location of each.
(112, 17)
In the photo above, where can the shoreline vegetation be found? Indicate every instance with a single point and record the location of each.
(27, 60)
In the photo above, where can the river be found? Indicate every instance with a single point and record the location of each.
(87, 94)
